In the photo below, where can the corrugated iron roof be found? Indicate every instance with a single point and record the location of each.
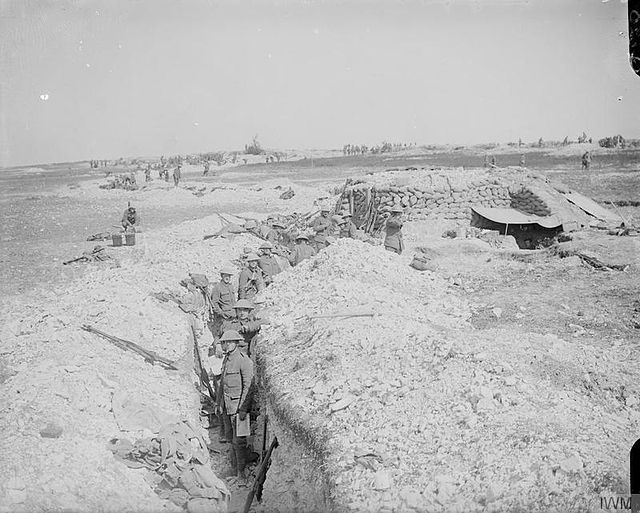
(512, 216)
(591, 207)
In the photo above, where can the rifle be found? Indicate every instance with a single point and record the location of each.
(202, 372)
(149, 356)
(256, 489)
(83, 257)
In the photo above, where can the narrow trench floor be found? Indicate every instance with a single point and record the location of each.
(221, 464)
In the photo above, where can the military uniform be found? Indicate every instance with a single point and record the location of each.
(250, 282)
(248, 329)
(130, 219)
(272, 235)
(223, 299)
(393, 239)
(301, 252)
(234, 396)
(348, 229)
(321, 224)
(270, 267)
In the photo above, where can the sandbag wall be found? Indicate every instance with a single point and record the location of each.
(526, 200)
(445, 200)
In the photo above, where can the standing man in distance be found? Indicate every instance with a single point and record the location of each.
(393, 239)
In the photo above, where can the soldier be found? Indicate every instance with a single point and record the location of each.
(319, 242)
(177, 174)
(244, 323)
(302, 250)
(206, 168)
(393, 238)
(250, 281)
(348, 229)
(494, 161)
(130, 219)
(522, 160)
(322, 223)
(586, 160)
(274, 233)
(223, 299)
(234, 397)
(268, 263)
(336, 225)
(147, 173)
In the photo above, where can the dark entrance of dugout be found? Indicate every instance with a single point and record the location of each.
(529, 231)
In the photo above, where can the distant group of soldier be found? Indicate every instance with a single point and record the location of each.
(385, 147)
(95, 164)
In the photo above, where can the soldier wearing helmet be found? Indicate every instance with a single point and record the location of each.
(244, 323)
(250, 281)
(222, 298)
(393, 228)
(322, 224)
(130, 219)
(268, 262)
(274, 232)
(234, 396)
(302, 250)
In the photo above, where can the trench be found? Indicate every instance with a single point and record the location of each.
(295, 478)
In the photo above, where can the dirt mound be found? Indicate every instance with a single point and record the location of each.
(412, 409)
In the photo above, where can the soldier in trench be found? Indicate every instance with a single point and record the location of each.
(222, 298)
(268, 262)
(251, 280)
(244, 323)
(393, 240)
(234, 397)
(302, 250)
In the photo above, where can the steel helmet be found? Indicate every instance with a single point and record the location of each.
(231, 335)
(277, 224)
(252, 256)
(244, 303)
(228, 270)
(302, 236)
(266, 245)
(325, 209)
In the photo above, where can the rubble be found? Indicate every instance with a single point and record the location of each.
(452, 411)
(54, 372)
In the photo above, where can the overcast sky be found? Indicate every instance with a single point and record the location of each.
(102, 79)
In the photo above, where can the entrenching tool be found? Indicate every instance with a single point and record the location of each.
(149, 356)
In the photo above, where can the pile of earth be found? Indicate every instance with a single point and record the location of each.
(414, 410)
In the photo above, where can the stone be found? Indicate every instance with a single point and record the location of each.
(411, 498)
(572, 464)
(382, 480)
(52, 430)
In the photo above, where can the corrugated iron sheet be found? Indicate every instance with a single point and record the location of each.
(591, 207)
(512, 216)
